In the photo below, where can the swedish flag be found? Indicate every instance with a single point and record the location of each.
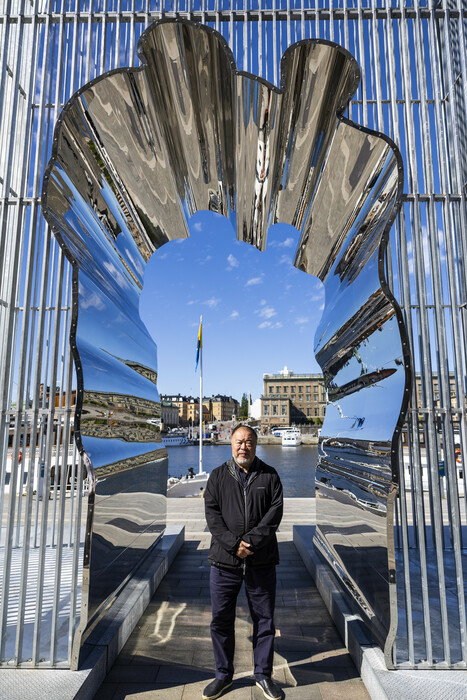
(200, 342)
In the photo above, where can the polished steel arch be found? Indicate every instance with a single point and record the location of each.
(136, 152)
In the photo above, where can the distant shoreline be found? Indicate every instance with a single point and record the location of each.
(265, 440)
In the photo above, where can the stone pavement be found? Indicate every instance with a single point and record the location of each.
(169, 655)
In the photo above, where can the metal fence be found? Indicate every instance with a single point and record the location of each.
(413, 61)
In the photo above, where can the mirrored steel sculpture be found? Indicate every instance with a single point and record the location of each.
(136, 153)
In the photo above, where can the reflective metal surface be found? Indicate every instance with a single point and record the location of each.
(136, 152)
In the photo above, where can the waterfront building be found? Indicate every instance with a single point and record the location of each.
(193, 410)
(290, 398)
(224, 408)
(169, 414)
(181, 402)
(215, 408)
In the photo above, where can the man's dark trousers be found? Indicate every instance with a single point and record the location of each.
(260, 589)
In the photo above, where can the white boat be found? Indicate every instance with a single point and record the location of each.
(187, 486)
(176, 440)
(291, 438)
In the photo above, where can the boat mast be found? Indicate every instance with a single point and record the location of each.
(200, 468)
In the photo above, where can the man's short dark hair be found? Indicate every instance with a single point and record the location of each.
(247, 427)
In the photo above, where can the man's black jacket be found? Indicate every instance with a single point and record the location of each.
(252, 514)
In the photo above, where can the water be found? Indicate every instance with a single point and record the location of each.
(295, 465)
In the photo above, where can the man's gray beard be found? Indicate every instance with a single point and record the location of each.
(244, 462)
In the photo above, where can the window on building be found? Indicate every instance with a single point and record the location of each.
(308, 412)
(274, 410)
(283, 411)
(266, 411)
(286, 389)
(300, 397)
(308, 388)
(308, 397)
(316, 411)
(271, 389)
(278, 390)
(300, 388)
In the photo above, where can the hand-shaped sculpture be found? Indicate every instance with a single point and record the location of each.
(138, 151)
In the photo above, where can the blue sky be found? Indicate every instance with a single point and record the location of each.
(259, 312)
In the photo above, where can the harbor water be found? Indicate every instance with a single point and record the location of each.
(295, 465)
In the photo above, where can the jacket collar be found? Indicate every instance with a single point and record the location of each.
(253, 471)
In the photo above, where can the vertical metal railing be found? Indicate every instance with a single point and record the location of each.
(413, 60)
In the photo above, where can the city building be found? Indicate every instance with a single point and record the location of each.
(290, 398)
(215, 408)
(169, 415)
(193, 410)
(224, 408)
(181, 402)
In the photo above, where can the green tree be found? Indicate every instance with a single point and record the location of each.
(244, 407)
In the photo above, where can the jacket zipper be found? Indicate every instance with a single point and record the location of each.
(246, 523)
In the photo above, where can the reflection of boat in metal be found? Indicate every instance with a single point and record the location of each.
(190, 485)
(291, 438)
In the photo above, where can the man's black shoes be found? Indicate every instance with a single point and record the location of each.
(215, 689)
(271, 691)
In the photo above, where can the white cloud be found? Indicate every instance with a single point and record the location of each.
(116, 274)
(270, 324)
(233, 262)
(198, 226)
(234, 315)
(267, 312)
(301, 320)
(212, 302)
(88, 301)
(285, 260)
(288, 243)
(253, 281)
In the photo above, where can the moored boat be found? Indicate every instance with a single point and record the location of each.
(177, 440)
(291, 438)
(187, 486)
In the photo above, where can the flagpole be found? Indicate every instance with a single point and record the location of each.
(200, 468)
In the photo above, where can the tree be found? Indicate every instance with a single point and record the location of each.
(244, 407)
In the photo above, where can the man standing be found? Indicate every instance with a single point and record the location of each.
(243, 502)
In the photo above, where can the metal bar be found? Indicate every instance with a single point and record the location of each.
(416, 226)
(450, 460)
(45, 500)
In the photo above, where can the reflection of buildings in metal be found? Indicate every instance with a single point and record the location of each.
(119, 416)
(137, 151)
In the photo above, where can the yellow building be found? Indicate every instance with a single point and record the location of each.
(224, 408)
(215, 408)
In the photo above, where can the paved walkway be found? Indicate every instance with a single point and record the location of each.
(169, 655)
